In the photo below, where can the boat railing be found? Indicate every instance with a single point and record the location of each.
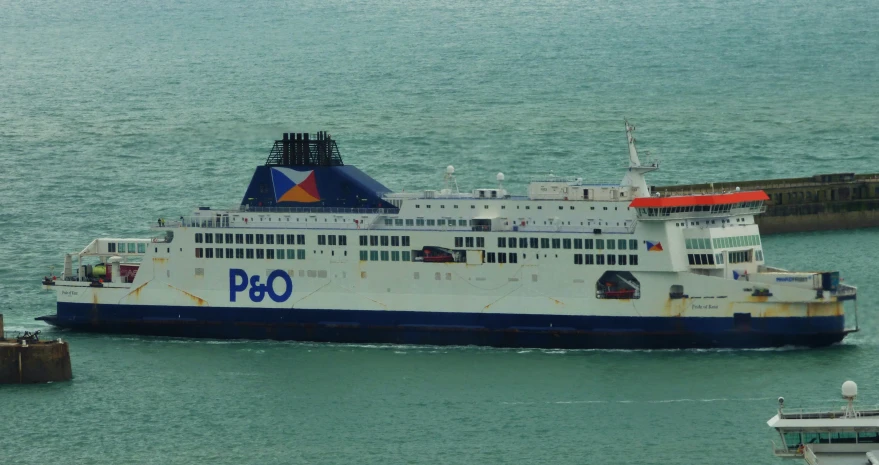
(844, 290)
(810, 456)
(829, 413)
(370, 211)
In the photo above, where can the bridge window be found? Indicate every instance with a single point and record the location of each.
(419, 222)
(398, 221)
(410, 222)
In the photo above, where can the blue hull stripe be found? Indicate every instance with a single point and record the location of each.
(444, 328)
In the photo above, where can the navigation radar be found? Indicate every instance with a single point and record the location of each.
(450, 169)
(849, 390)
(500, 177)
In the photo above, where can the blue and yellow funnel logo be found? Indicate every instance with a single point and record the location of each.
(294, 186)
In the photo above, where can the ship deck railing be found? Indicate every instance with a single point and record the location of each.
(829, 413)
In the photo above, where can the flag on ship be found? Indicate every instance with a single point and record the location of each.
(654, 246)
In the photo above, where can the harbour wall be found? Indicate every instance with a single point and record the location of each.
(23, 362)
(818, 203)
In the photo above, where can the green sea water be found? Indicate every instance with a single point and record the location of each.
(113, 114)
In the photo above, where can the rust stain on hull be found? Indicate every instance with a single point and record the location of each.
(198, 300)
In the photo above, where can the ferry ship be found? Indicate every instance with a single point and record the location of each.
(320, 251)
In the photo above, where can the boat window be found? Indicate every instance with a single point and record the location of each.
(410, 222)
(405, 240)
(395, 255)
(480, 242)
(384, 241)
(588, 259)
(523, 243)
(419, 222)
(578, 243)
(633, 259)
(385, 255)
(395, 241)
(373, 255)
(373, 241)
(599, 244)
(587, 243)
(611, 244)
(533, 242)
(406, 256)
(489, 257)
(398, 222)
(868, 437)
(141, 248)
(300, 254)
(556, 243)
(599, 259)
(502, 242)
(331, 240)
(621, 244)
(364, 255)
(131, 247)
(363, 240)
(259, 239)
(578, 259)
(468, 241)
(611, 259)
(621, 259)
(566, 243)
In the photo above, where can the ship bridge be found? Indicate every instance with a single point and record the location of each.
(699, 206)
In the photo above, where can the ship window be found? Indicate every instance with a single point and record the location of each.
(279, 254)
(239, 253)
(248, 238)
(431, 222)
(363, 240)
(417, 206)
(385, 241)
(229, 253)
(486, 207)
(527, 207)
(260, 253)
(398, 222)
(111, 247)
(611, 259)
(578, 259)
(440, 222)
(633, 259)
(540, 207)
(405, 256)
(219, 252)
(331, 240)
(385, 255)
(373, 255)
(718, 258)
(452, 223)
(395, 241)
(121, 247)
(279, 239)
(514, 258)
(472, 206)
(489, 257)
(389, 221)
(502, 257)
(321, 239)
(588, 259)
(270, 239)
(502, 242)
(578, 243)
(218, 238)
(291, 239)
(691, 259)
(759, 254)
(468, 241)
(410, 222)
(459, 242)
(611, 244)
(270, 254)
(198, 238)
(373, 241)
(249, 253)
(419, 222)
(689, 243)
(199, 252)
(259, 239)
(511, 242)
(621, 259)
(141, 248)
(364, 255)
(588, 243)
(405, 240)
(523, 242)
(562, 208)
(395, 255)
(480, 242)
(599, 244)
(621, 244)
(300, 254)
(599, 259)
(456, 206)
(208, 238)
(544, 242)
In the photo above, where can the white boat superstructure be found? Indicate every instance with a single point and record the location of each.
(847, 436)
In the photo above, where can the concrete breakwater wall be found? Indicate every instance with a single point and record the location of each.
(27, 359)
(817, 203)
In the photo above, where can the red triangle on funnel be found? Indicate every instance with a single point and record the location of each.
(310, 186)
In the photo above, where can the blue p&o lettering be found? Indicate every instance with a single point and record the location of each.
(239, 282)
